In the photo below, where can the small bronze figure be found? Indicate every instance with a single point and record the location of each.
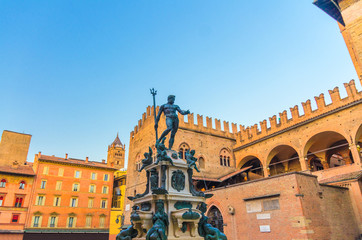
(162, 152)
(160, 223)
(191, 160)
(169, 109)
(205, 229)
(147, 160)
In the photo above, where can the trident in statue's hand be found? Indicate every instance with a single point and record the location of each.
(154, 93)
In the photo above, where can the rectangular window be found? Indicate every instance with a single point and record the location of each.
(77, 174)
(36, 221)
(61, 172)
(40, 201)
(74, 202)
(105, 178)
(94, 176)
(102, 220)
(15, 218)
(45, 170)
(105, 190)
(58, 186)
(52, 221)
(57, 201)
(2, 198)
(70, 222)
(92, 188)
(18, 201)
(90, 202)
(75, 187)
(88, 221)
(43, 184)
(104, 203)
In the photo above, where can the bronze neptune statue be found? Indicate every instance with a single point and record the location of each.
(169, 109)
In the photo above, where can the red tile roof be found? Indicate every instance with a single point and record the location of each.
(343, 177)
(234, 173)
(224, 177)
(74, 161)
(21, 170)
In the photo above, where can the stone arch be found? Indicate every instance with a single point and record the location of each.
(331, 148)
(255, 162)
(358, 136)
(215, 215)
(283, 158)
(183, 147)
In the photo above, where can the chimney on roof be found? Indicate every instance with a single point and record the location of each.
(103, 161)
(66, 156)
(39, 154)
(86, 159)
(15, 164)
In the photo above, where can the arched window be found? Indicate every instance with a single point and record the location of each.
(1, 200)
(138, 162)
(201, 162)
(215, 218)
(22, 185)
(3, 183)
(224, 157)
(183, 149)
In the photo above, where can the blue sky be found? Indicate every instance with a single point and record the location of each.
(74, 73)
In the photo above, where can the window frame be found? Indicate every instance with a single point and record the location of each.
(75, 201)
(41, 184)
(94, 188)
(22, 185)
(17, 218)
(106, 177)
(76, 187)
(3, 183)
(105, 201)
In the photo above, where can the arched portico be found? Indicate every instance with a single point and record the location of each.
(256, 166)
(329, 148)
(282, 159)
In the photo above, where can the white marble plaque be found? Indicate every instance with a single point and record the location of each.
(264, 228)
(254, 206)
(127, 207)
(263, 216)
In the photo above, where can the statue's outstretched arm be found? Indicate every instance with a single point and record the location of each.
(182, 111)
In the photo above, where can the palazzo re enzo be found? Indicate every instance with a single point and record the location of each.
(294, 176)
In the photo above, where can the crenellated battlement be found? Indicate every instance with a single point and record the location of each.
(245, 135)
(253, 133)
(190, 124)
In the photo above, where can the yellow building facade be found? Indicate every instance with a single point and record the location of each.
(119, 192)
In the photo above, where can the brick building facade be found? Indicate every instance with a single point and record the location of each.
(289, 178)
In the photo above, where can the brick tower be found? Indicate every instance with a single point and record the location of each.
(348, 14)
(116, 154)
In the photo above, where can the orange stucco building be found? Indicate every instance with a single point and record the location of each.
(70, 196)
